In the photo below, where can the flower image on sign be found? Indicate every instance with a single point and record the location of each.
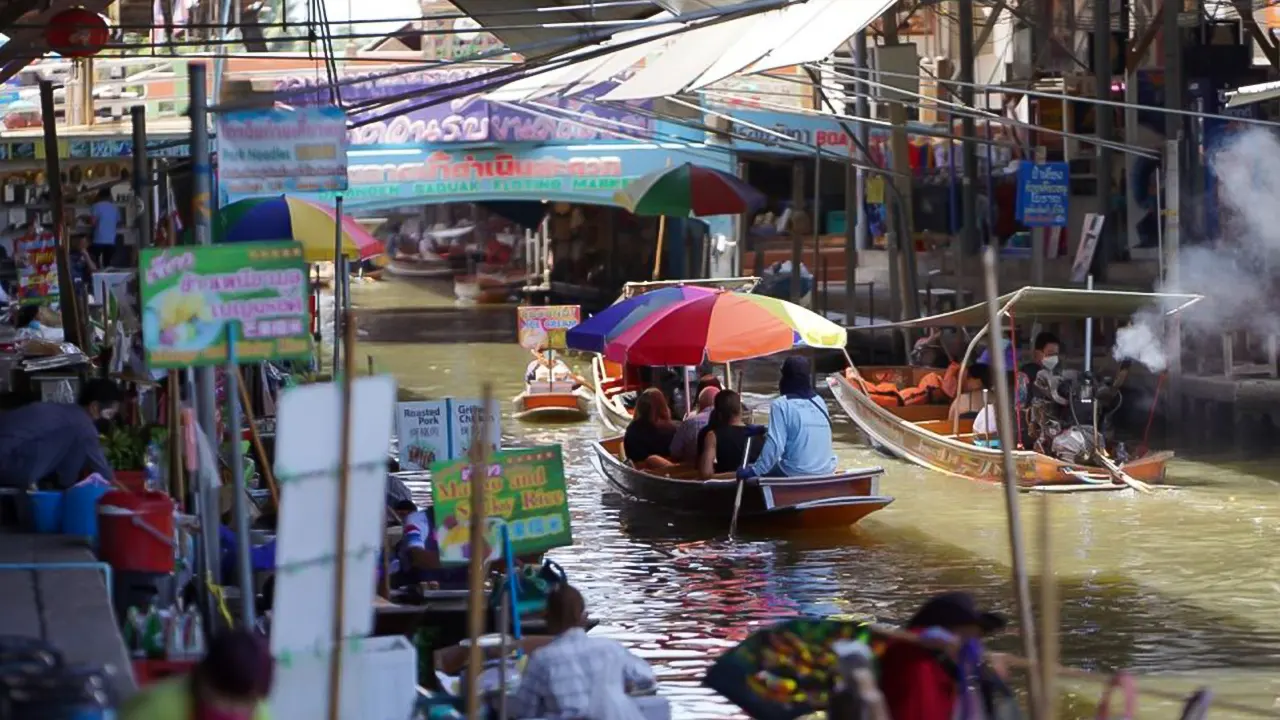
(191, 294)
(524, 490)
(543, 328)
(281, 151)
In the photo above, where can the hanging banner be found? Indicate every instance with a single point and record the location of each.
(1044, 190)
(36, 255)
(524, 490)
(431, 431)
(543, 328)
(192, 293)
(282, 151)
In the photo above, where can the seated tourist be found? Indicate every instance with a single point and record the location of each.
(798, 442)
(684, 446)
(576, 675)
(647, 442)
(968, 402)
(723, 443)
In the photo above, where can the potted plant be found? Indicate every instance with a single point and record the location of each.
(126, 450)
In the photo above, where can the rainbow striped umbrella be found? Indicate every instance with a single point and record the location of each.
(596, 331)
(723, 327)
(686, 190)
(288, 218)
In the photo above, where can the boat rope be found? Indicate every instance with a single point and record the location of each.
(1155, 402)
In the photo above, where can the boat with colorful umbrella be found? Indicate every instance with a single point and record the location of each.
(282, 217)
(728, 327)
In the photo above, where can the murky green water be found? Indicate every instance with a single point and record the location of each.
(1181, 584)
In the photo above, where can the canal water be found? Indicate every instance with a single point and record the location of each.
(1182, 585)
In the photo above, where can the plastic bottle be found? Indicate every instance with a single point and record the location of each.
(133, 632)
(152, 466)
(195, 645)
(153, 633)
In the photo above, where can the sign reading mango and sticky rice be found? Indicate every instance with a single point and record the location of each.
(192, 296)
(524, 490)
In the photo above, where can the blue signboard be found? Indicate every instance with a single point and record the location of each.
(1043, 192)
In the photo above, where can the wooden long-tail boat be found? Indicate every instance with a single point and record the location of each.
(610, 379)
(922, 433)
(784, 503)
(552, 402)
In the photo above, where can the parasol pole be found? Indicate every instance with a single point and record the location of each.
(657, 258)
(340, 553)
(337, 286)
(1004, 415)
(475, 569)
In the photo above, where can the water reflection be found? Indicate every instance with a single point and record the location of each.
(1173, 582)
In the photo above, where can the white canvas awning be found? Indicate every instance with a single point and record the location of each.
(707, 53)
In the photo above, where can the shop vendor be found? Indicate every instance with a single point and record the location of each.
(56, 442)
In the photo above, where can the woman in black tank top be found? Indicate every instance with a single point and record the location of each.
(722, 443)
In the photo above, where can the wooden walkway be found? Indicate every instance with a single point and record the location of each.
(68, 608)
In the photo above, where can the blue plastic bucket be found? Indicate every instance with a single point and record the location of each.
(46, 511)
(80, 510)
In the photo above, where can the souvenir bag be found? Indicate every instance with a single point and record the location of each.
(1124, 682)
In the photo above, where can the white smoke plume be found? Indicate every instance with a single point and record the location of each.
(1236, 271)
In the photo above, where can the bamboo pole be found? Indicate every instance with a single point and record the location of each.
(1004, 415)
(475, 572)
(340, 554)
(256, 439)
(657, 257)
(1049, 610)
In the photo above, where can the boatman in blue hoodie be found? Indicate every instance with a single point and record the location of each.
(798, 439)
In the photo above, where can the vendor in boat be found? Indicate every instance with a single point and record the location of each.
(684, 446)
(577, 675)
(971, 398)
(798, 441)
(417, 555)
(725, 443)
(543, 370)
(647, 442)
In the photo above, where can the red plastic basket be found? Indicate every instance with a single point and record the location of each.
(146, 672)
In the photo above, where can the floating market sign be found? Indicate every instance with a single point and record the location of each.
(192, 294)
(434, 430)
(524, 490)
(282, 151)
(543, 328)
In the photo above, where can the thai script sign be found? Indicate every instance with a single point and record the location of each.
(270, 151)
(453, 116)
(1044, 190)
(435, 430)
(192, 294)
(36, 255)
(524, 491)
(543, 328)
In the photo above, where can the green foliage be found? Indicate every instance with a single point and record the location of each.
(126, 446)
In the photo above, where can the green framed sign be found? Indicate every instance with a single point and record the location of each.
(524, 490)
(192, 296)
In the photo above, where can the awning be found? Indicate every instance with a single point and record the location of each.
(1251, 94)
(538, 28)
(1038, 303)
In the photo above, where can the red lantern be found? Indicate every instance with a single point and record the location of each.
(77, 33)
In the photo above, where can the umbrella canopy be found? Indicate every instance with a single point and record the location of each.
(596, 331)
(288, 218)
(686, 190)
(723, 327)
(785, 671)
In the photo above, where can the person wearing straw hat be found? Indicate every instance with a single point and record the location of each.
(923, 683)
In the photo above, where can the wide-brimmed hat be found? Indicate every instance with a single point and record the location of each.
(953, 609)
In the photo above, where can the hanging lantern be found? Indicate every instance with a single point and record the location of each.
(77, 33)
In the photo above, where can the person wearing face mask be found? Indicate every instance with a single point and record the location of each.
(58, 440)
(232, 682)
(1044, 355)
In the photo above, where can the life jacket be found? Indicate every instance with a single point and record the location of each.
(883, 394)
(918, 395)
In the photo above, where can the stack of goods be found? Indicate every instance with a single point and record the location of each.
(36, 684)
(163, 641)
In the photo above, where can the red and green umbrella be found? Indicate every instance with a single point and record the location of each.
(686, 190)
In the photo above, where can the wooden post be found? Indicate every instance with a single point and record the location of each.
(475, 570)
(71, 325)
(340, 562)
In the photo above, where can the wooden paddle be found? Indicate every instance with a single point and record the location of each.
(1118, 473)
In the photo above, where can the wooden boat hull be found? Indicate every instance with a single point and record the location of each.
(403, 267)
(488, 288)
(608, 395)
(806, 503)
(552, 407)
(940, 453)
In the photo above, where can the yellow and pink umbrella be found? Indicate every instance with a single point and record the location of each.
(288, 218)
(722, 327)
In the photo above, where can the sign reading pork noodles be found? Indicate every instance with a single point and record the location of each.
(191, 294)
(524, 490)
(543, 328)
(279, 151)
